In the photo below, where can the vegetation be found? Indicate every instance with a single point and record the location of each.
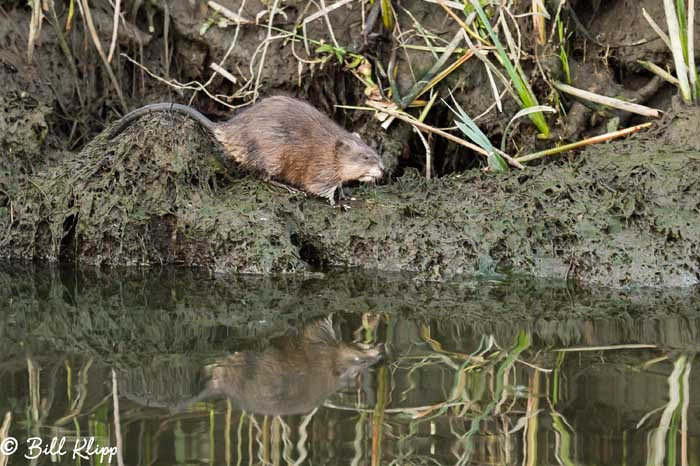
(492, 33)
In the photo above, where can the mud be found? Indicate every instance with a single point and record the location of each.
(621, 214)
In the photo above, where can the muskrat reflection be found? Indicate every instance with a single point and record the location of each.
(293, 375)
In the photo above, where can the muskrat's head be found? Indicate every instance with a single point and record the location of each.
(352, 358)
(358, 161)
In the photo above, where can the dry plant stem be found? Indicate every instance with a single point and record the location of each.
(609, 101)
(166, 41)
(323, 12)
(4, 430)
(691, 51)
(34, 29)
(428, 154)
(462, 24)
(582, 143)
(115, 29)
(657, 70)
(328, 23)
(427, 128)
(684, 411)
(85, 10)
(223, 72)
(453, 5)
(265, 47)
(172, 83)
(421, 86)
(604, 348)
(117, 424)
(538, 22)
(550, 39)
(677, 49)
(371, 20)
(240, 20)
(664, 37)
(66, 50)
(481, 55)
(228, 14)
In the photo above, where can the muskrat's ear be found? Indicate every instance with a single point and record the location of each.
(321, 331)
(341, 146)
(355, 133)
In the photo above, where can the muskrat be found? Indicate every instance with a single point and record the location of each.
(295, 374)
(288, 141)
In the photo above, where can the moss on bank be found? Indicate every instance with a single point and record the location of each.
(619, 215)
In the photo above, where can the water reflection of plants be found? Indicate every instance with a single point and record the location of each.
(440, 398)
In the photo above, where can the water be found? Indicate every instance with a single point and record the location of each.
(477, 372)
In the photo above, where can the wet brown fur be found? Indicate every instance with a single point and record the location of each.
(290, 141)
(293, 375)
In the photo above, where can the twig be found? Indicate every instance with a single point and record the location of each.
(223, 72)
(328, 22)
(453, 5)
(117, 424)
(85, 10)
(326, 10)
(657, 70)
(322, 12)
(605, 348)
(584, 142)
(608, 101)
(214, 5)
(193, 86)
(265, 46)
(430, 129)
(115, 29)
(228, 14)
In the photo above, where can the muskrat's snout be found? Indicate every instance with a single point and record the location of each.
(371, 354)
(359, 161)
(374, 173)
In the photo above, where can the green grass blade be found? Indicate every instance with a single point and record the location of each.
(527, 97)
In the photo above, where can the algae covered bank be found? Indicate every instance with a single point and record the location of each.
(622, 213)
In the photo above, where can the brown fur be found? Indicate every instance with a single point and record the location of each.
(295, 374)
(290, 141)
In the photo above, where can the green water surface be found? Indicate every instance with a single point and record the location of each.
(485, 371)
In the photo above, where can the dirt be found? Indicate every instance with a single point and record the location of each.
(622, 214)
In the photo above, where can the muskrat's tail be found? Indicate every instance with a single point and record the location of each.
(162, 107)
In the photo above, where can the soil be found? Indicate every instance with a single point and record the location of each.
(621, 214)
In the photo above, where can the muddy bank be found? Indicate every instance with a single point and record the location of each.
(616, 215)
(621, 214)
